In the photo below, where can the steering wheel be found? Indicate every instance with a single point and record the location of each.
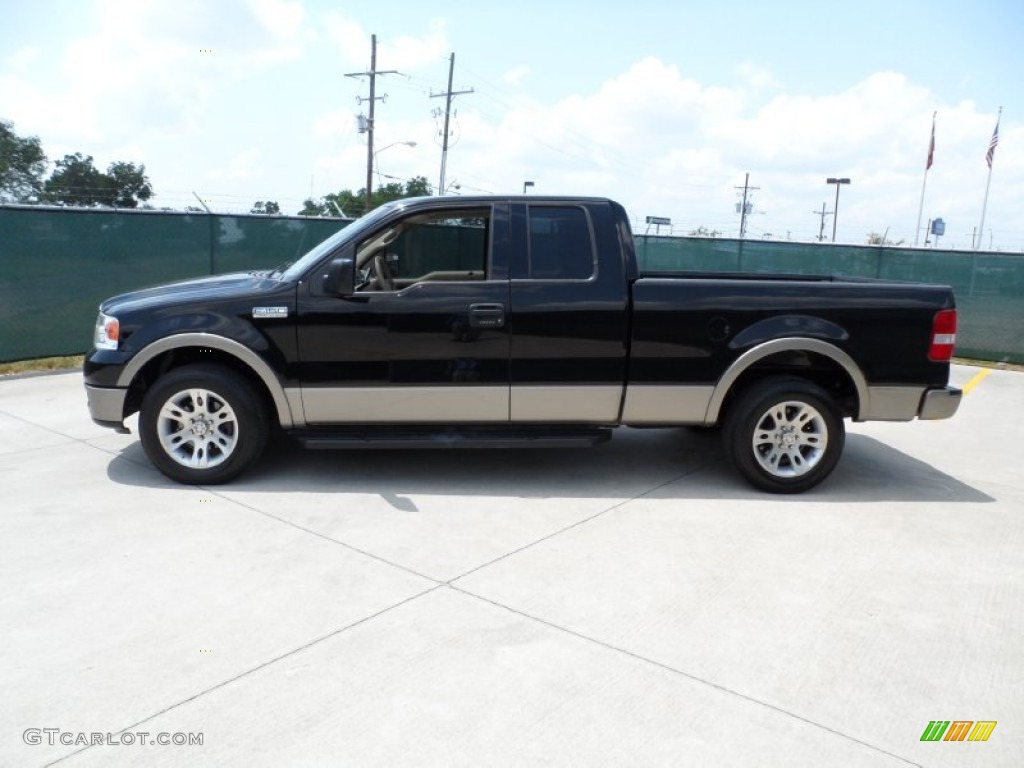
(383, 278)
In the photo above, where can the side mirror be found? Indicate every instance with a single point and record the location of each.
(339, 279)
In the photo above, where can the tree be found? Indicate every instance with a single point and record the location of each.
(76, 181)
(311, 207)
(128, 184)
(876, 239)
(349, 203)
(418, 186)
(269, 207)
(703, 231)
(22, 165)
(345, 203)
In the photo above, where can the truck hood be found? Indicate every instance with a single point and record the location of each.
(217, 288)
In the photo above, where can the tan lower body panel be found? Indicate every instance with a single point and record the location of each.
(405, 405)
(666, 404)
(461, 405)
(572, 404)
(575, 404)
(893, 403)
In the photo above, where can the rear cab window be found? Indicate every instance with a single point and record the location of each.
(560, 244)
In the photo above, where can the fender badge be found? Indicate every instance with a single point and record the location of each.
(270, 311)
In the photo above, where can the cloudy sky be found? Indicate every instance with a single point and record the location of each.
(663, 106)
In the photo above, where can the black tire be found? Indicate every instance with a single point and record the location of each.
(202, 424)
(784, 435)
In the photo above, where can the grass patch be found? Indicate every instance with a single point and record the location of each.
(42, 364)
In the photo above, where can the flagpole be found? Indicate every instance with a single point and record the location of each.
(981, 229)
(920, 210)
(928, 164)
(984, 205)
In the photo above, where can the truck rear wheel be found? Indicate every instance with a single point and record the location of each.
(784, 435)
(202, 424)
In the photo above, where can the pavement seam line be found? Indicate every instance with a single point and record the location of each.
(43, 427)
(71, 438)
(257, 668)
(680, 672)
(577, 524)
(442, 582)
(324, 536)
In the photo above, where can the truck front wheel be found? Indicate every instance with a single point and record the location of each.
(784, 435)
(202, 424)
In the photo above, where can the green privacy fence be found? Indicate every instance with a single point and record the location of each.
(56, 265)
(989, 286)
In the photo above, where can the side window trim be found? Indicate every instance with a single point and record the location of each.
(487, 213)
(529, 247)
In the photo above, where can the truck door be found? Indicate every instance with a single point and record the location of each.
(423, 336)
(569, 313)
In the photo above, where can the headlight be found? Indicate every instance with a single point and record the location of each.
(107, 332)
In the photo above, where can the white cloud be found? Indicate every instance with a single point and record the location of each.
(405, 53)
(155, 62)
(516, 75)
(24, 58)
(348, 37)
(246, 165)
(757, 77)
(666, 145)
(651, 136)
(409, 53)
(281, 17)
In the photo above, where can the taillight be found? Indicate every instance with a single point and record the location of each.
(943, 336)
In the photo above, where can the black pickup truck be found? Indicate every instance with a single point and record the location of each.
(509, 321)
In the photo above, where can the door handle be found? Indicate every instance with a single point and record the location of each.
(486, 315)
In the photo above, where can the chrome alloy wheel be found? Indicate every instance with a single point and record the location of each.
(790, 439)
(197, 428)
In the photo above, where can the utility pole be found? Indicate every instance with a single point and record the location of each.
(369, 123)
(823, 213)
(449, 94)
(744, 210)
(835, 211)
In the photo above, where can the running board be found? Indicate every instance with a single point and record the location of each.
(331, 438)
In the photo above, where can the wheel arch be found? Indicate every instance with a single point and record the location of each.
(782, 352)
(174, 351)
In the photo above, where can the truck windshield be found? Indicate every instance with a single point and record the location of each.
(353, 231)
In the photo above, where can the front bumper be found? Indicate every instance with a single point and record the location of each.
(939, 403)
(106, 406)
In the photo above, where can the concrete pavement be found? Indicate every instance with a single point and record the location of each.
(631, 604)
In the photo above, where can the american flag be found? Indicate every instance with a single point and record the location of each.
(992, 143)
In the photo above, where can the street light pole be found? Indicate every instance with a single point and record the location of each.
(389, 146)
(835, 211)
